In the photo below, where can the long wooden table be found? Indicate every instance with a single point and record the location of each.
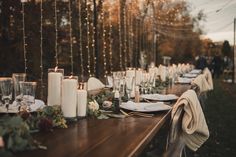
(95, 138)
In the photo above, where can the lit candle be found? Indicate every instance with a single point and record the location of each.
(81, 101)
(54, 86)
(69, 96)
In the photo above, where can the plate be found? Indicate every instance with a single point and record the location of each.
(145, 107)
(13, 108)
(190, 75)
(183, 80)
(196, 71)
(160, 97)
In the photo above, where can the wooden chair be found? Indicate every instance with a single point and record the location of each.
(175, 143)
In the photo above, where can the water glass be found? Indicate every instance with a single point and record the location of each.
(6, 86)
(27, 90)
(17, 77)
(116, 84)
(129, 83)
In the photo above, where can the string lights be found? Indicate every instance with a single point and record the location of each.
(80, 40)
(71, 38)
(24, 35)
(119, 31)
(56, 33)
(110, 39)
(88, 35)
(41, 47)
(93, 46)
(131, 35)
(125, 36)
(104, 40)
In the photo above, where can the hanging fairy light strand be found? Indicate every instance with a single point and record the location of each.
(80, 40)
(24, 35)
(110, 40)
(131, 35)
(125, 36)
(71, 38)
(93, 45)
(56, 33)
(119, 30)
(41, 47)
(88, 35)
(104, 40)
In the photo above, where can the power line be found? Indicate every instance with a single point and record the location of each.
(224, 27)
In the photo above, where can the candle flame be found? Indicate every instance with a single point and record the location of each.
(56, 68)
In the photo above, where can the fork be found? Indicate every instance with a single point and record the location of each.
(137, 114)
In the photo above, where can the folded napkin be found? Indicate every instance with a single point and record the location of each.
(202, 83)
(208, 76)
(94, 84)
(194, 128)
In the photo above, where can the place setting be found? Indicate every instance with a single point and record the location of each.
(18, 95)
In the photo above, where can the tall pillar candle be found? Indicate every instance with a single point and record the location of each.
(81, 101)
(69, 96)
(54, 86)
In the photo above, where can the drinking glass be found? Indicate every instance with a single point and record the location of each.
(116, 84)
(6, 85)
(129, 82)
(17, 77)
(27, 90)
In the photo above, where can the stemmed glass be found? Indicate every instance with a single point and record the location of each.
(28, 90)
(116, 84)
(6, 86)
(17, 77)
(129, 83)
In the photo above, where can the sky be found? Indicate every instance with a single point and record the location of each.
(220, 14)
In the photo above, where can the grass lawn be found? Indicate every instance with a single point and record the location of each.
(220, 113)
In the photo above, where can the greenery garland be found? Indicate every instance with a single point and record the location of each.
(16, 131)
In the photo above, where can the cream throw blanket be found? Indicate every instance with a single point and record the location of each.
(94, 84)
(208, 76)
(194, 128)
(202, 83)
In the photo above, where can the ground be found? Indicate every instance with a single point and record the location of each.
(220, 113)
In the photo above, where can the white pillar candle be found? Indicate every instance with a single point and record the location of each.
(81, 102)
(54, 86)
(69, 96)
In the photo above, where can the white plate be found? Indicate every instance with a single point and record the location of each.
(196, 71)
(190, 75)
(183, 80)
(160, 97)
(145, 107)
(13, 108)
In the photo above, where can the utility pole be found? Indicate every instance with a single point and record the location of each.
(234, 55)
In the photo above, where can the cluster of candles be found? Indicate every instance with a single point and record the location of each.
(65, 91)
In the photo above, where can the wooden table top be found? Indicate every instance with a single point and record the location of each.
(111, 137)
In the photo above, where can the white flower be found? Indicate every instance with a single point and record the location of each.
(93, 105)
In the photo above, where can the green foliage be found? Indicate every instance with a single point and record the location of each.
(16, 130)
(16, 134)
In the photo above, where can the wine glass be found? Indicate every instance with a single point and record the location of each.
(129, 83)
(6, 86)
(28, 90)
(17, 77)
